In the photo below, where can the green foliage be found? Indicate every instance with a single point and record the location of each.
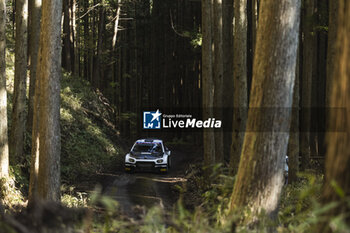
(10, 196)
(89, 144)
(72, 198)
(196, 40)
(300, 209)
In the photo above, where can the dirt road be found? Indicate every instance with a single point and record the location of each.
(149, 189)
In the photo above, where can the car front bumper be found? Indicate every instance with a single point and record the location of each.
(146, 165)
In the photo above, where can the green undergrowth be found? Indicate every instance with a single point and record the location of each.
(10, 196)
(203, 207)
(90, 141)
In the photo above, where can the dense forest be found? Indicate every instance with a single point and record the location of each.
(253, 97)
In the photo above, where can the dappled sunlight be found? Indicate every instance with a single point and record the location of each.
(268, 198)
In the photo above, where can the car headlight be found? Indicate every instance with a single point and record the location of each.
(160, 161)
(131, 160)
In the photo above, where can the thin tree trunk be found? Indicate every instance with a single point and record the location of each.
(260, 175)
(34, 37)
(67, 59)
(34, 27)
(293, 144)
(218, 69)
(240, 91)
(337, 178)
(4, 153)
(34, 162)
(254, 23)
(50, 74)
(86, 41)
(76, 37)
(115, 59)
(306, 83)
(98, 63)
(207, 77)
(13, 19)
(227, 36)
(331, 52)
(20, 85)
(116, 25)
(71, 34)
(92, 44)
(321, 79)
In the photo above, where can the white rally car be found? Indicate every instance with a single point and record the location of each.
(148, 154)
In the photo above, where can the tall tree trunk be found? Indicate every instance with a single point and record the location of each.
(50, 74)
(227, 37)
(115, 62)
(86, 41)
(34, 161)
(255, 4)
(240, 91)
(306, 83)
(67, 46)
(4, 153)
(321, 77)
(260, 175)
(98, 63)
(331, 52)
(218, 77)
(207, 77)
(293, 144)
(76, 37)
(34, 37)
(116, 25)
(34, 89)
(20, 85)
(337, 175)
(71, 34)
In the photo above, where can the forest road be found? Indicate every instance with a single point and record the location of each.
(149, 189)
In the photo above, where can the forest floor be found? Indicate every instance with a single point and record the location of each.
(134, 191)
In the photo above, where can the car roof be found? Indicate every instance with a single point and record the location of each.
(145, 140)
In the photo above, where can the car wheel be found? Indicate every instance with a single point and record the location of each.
(169, 162)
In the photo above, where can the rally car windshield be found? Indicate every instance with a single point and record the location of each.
(147, 147)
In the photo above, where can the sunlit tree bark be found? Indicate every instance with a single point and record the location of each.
(260, 174)
(4, 153)
(337, 177)
(49, 114)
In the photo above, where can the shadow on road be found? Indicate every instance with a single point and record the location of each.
(149, 189)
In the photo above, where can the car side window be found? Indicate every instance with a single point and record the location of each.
(158, 148)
